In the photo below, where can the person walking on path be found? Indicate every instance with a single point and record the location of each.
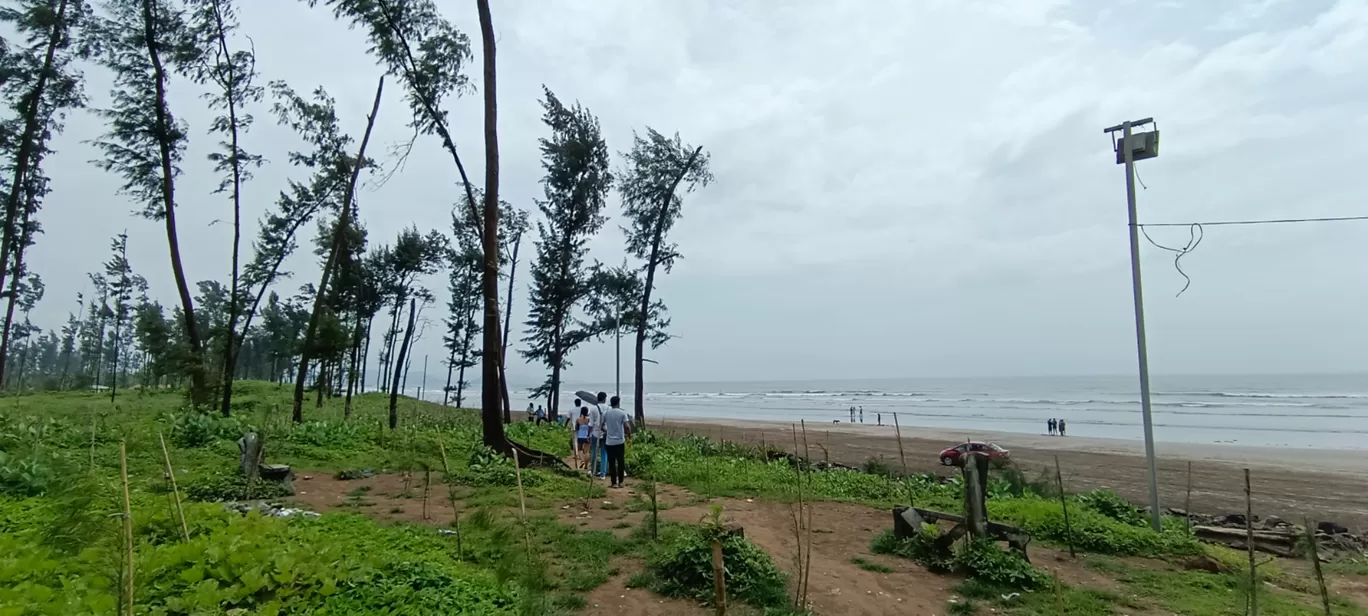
(617, 431)
(582, 437)
(595, 441)
(601, 461)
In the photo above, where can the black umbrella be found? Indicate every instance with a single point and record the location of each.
(587, 397)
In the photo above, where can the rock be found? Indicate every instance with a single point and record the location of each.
(1273, 522)
(1331, 528)
(1232, 520)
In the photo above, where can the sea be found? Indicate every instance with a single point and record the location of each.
(1302, 411)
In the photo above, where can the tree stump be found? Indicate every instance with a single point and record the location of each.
(249, 454)
(976, 494)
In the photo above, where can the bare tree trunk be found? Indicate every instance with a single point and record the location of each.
(451, 367)
(508, 323)
(399, 366)
(643, 322)
(351, 366)
(492, 387)
(198, 390)
(23, 158)
(230, 350)
(339, 232)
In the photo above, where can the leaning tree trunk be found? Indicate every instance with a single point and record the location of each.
(343, 219)
(399, 366)
(508, 322)
(24, 157)
(644, 319)
(198, 386)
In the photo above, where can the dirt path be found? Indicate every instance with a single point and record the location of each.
(1217, 486)
(841, 533)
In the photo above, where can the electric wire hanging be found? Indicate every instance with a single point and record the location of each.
(1195, 235)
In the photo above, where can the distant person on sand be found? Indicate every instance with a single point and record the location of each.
(582, 436)
(617, 429)
(852, 414)
(879, 417)
(1050, 425)
(1061, 427)
(862, 414)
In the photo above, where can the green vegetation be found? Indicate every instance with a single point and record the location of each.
(62, 548)
(870, 566)
(680, 565)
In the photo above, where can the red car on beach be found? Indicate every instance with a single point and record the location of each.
(953, 456)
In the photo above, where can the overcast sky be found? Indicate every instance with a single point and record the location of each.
(903, 189)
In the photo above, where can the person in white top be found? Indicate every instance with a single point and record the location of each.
(617, 431)
(595, 439)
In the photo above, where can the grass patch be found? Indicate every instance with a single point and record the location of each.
(870, 566)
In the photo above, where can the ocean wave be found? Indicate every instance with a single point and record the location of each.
(1254, 394)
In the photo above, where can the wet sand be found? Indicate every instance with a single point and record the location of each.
(1286, 482)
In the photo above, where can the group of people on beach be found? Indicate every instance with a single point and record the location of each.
(878, 417)
(1055, 426)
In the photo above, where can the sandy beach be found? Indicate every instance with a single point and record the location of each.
(1286, 482)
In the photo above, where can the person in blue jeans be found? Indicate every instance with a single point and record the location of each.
(602, 458)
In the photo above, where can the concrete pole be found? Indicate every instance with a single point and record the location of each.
(1141, 351)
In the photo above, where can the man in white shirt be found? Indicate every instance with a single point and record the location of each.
(617, 430)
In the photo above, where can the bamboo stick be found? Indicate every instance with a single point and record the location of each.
(807, 564)
(127, 528)
(1064, 502)
(451, 497)
(1249, 541)
(719, 578)
(1187, 503)
(1314, 552)
(175, 491)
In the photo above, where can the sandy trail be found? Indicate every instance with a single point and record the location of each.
(1290, 483)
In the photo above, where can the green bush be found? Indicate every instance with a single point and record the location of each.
(981, 560)
(487, 467)
(193, 429)
(263, 565)
(1109, 504)
(1092, 531)
(682, 567)
(220, 487)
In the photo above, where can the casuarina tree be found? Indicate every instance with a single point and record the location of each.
(231, 73)
(40, 84)
(145, 141)
(657, 166)
(338, 233)
(575, 189)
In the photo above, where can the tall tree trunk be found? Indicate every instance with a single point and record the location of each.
(365, 355)
(399, 366)
(508, 323)
(351, 368)
(20, 249)
(451, 367)
(492, 387)
(644, 320)
(343, 220)
(198, 385)
(28, 147)
(230, 350)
